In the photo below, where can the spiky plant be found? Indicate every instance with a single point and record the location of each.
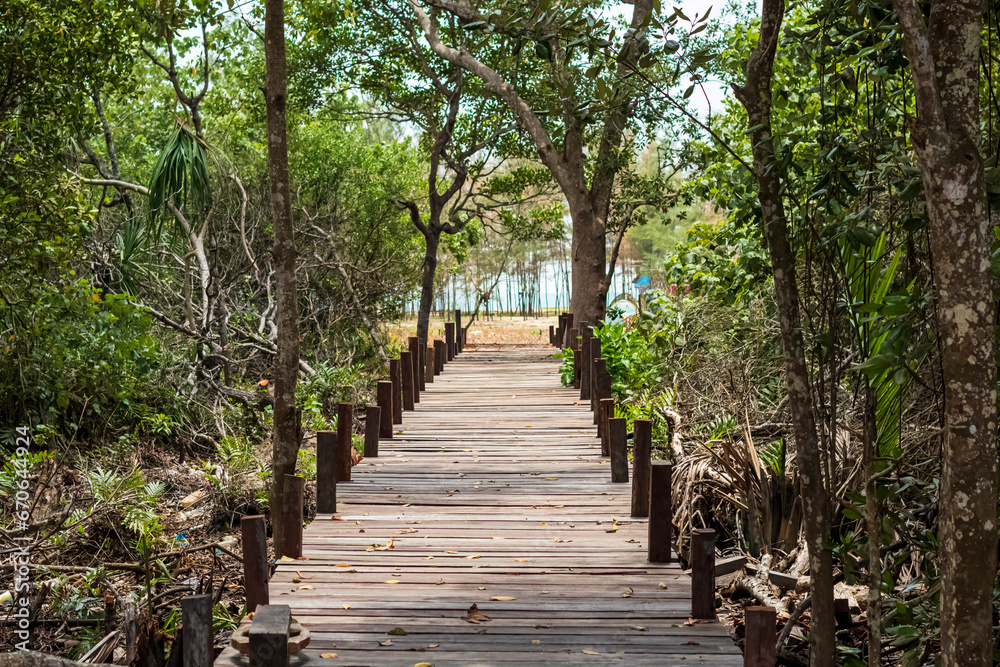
(181, 170)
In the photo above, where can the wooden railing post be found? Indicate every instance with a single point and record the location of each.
(703, 573)
(585, 364)
(439, 356)
(595, 354)
(642, 448)
(660, 513)
(345, 426)
(602, 383)
(761, 625)
(568, 332)
(196, 619)
(255, 567)
(422, 366)
(429, 370)
(459, 343)
(384, 394)
(291, 515)
(373, 424)
(406, 370)
(268, 636)
(414, 344)
(449, 339)
(577, 360)
(573, 342)
(618, 448)
(326, 472)
(396, 377)
(606, 411)
(552, 335)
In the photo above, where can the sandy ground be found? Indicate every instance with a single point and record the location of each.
(507, 330)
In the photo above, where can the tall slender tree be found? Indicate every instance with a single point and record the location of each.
(943, 49)
(286, 435)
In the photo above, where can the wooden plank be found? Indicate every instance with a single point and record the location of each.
(196, 614)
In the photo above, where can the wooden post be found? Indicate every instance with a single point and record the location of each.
(396, 376)
(345, 426)
(292, 515)
(373, 424)
(703, 573)
(196, 617)
(585, 365)
(574, 339)
(326, 472)
(842, 612)
(384, 394)
(422, 367)
(429, 371)
(406, 370)
(618, 448)
(762, 626)
(568, 332)
(606, 411)
(449, 339)
(577, 360)
(269, 636)
(254, 560)
(459, 343)
(660, 514)
(414, 344)
(642, 448)
(439, 356)
(595, 354)
(601, 380)
(552, 335)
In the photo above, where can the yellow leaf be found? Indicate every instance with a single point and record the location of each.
(497, 538)
(468, 557)
(451, 552)
(536, 641)
(302, 576)
(551, 479)
(662, 585)
(391, 581)
(423, 664)
(342, 565)
(306, 587)
(286, 559)
(433, 645)
(502, 599)
(590, 652)
(95, 298)
(347, 606)
(523, 560)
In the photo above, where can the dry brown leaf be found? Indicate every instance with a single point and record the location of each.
(347, 606)
(696, 621)
(328, 655)
(337, 518)
(627, 593)
(433, 645)
(475, 616)
(451, 552)
(524, 560)
(396, 631)
(302, 576)
(640, 628)
(590, 652)
(502, 598)
(387, 642)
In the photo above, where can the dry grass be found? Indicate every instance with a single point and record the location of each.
(505, 330)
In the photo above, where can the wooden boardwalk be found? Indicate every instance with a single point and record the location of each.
(492, 493)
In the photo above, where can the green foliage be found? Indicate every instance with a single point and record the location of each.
(181, 174)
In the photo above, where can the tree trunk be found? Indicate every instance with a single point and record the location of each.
(756, 97)
(587, 301)
(427, 283)
(285, 440)
(943, 51)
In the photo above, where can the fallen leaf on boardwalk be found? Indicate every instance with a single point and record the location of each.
(524, 560)
(404, 532)
(306, 587)
(347, 606)
(544, 592)
(439, 582)
(391, 581)
(396, 631)
(328, 655)
(543, 524)
(662, 585)
(406, 505)
(357, 523)
(429, 558)
(551, 479)
(387, 642)
(286, 559)
(590, 652)
(558, 506)
(474, 615)
(542, 627)
(640, 628)
(536, 641)
(296, 580)
(690, 644)
(302, 558)
(558, 540)
(498, 538)
(337, 518)
(342, 565)
(696, 621)
(451, 552)
(468, 557)
(482, 588)
(433, 645)
(502, 599)
(423, 664)
(418, 521)
(627, 593)
(299, 572)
